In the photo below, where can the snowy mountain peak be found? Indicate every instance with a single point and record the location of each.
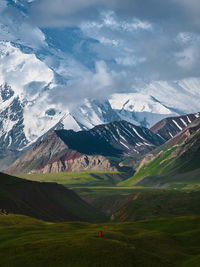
(139, 108)
(39, 76)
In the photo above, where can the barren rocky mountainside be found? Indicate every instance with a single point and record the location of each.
(86, 150)
(169, 127)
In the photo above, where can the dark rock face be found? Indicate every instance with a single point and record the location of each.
(6, 92)
(51, 112)
(169, 127)
(12, 137)
(12, 127)
(53, 155)
(113, 139)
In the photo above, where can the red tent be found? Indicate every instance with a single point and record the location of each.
(100, 234)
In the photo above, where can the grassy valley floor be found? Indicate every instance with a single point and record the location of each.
(74, 179)
(155, 241)
(127, 203)
(165, 242)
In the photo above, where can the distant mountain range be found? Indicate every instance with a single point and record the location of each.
(97, 149)
(25, 121)
(66, 150)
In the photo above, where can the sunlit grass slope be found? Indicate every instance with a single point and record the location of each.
(166, 242)
(70, 179)
(174, 166)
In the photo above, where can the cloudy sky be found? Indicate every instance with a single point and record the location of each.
(106, 46)
(150, 38)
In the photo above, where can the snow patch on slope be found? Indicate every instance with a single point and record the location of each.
(177, 125)
(70, 123)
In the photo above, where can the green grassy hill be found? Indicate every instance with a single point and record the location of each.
(46, 201)
(136, 203)
(165, 242)
(143, 205)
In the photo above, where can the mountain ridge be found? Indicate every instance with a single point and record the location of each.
(171, 126)
(66, 150)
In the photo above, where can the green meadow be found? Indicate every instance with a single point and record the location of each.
(120, 181)
(165, 242)
(181, 181)
(144, 201)
(74, 179)
(143, 230)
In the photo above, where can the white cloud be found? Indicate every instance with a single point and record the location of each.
(188, 58)
(108, 41)
(129, 61)
(16, 27)
(3, 5)
(84, 84)
(117, 38)
(134, 44)
(184, 37)
(108, 19)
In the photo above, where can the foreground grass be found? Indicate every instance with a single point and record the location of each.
(166, 242)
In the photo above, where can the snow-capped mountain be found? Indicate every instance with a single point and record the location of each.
(158, 100)
(139, 108)
(36, 70)
(27, 114)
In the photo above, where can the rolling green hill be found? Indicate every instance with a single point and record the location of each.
(157, 204)
(46, 201)
(166, 242)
